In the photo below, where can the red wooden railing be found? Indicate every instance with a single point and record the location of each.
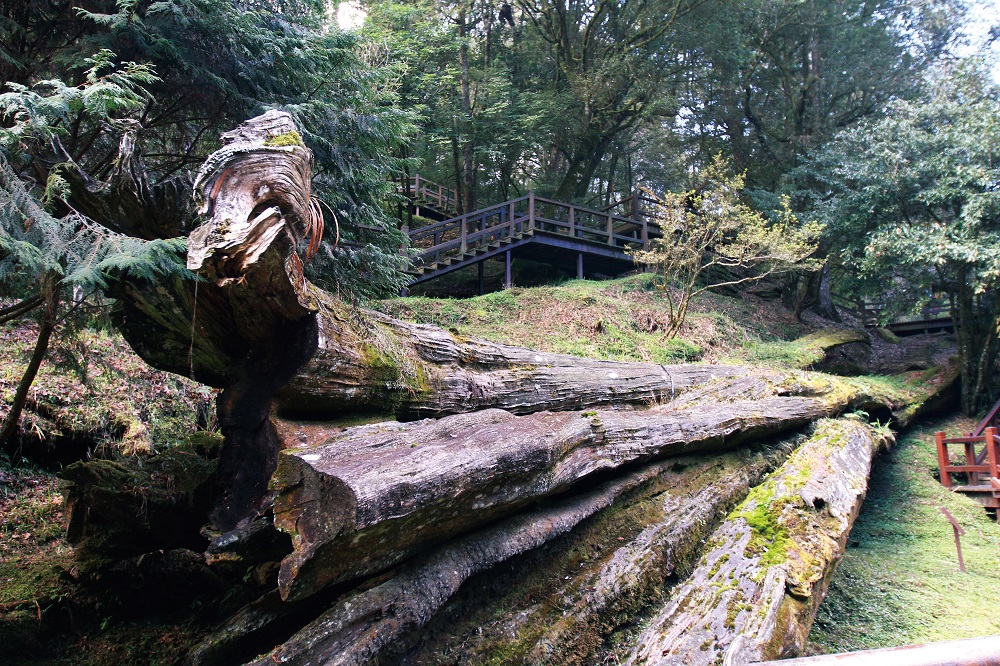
(980, 466)
(527, 215)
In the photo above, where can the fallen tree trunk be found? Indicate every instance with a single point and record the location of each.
(256, 190)
(355, 629)
(371, 497)
(259, 330)
(756, 589)
(360, 628)
(594, 583)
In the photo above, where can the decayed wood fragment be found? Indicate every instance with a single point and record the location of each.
(369, 498)
(756, 589)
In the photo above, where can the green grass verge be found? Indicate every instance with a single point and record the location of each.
(622, 320)
(899, 582)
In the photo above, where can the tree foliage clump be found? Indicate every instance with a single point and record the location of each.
(912, 204)
(109, 107)
(712, 239)
(41, 255)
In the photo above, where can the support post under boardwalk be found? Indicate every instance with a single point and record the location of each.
(579, 265)
(481, 283)
(506, 278)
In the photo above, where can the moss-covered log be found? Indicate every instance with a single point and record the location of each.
(119, 509)
(756, 589)
(561, 604)
(370, 497)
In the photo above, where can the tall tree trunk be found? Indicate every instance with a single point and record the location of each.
(468, 136)
(50, 294)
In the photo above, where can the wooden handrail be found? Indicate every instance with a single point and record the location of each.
(465, 232)
(419, 188)
(990, 418)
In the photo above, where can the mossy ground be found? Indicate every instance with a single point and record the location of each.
(92, 394)
(56, 610)
(800, 353)
(899, 581)
(92, 388)
(622, 319)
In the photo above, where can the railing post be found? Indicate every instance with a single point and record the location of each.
(510, 221)
(611, 230)
(991, 446)
(463, 221)
(572, 222)
(942, 451)
(531, 212)
(645, 235)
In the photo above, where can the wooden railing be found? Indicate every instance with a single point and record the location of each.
(868, 313)
(433, 194)
(636, 206)
(526, 215)
(980, 466)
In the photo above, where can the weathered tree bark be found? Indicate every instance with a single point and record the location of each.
(756, 589)
(369, 498)
(356, 628)
(127, 201)
(359, 628)
(598, 580)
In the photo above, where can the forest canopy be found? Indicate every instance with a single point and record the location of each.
(580, 100)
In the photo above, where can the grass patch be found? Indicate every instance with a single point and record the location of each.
(800, 353)
(92, 385)
(899, 581)
(622, 319)
(31, 545)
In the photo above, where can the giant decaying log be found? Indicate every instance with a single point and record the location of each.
(756, 589)
(368, 498)
(259, 330)
(256, 190)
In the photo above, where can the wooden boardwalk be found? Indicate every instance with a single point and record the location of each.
(429, 199)
(579, 239)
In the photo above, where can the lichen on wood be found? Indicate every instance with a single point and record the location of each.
(757, 587)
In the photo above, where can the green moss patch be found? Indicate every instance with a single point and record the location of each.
(292, 138)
